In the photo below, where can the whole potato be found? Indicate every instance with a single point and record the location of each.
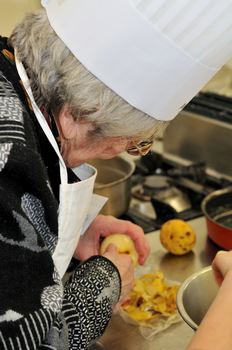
(177, 236)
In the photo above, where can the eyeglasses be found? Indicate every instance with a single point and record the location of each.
(142, 148)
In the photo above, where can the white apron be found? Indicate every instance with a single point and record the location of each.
(78, 205)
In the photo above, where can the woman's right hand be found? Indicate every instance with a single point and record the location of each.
(222, 265)
(125, 267)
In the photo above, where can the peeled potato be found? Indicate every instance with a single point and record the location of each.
(177, 236)
(124, 245)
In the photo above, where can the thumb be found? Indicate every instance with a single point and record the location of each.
(111, 248)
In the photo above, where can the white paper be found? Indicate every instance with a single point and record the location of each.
(95, 207)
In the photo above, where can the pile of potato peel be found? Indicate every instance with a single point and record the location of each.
(151, 299)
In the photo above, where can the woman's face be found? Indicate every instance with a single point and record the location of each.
(77, 151)
(77, 145)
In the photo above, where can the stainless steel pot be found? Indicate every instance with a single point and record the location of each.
(114, 181)
(196, 295)
(217, 208)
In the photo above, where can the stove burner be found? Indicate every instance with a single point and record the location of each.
(150, 186)
(157, 183)
(139, 193)
(175, 198)
(162, 190)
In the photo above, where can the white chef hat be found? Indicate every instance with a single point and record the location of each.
(155, 54)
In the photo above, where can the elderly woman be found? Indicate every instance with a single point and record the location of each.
(54, 116)
(89, 121)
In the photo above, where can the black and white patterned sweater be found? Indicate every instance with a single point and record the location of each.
(36, 310)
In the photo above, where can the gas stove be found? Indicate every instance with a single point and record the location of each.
(163, 186)
(163, 189)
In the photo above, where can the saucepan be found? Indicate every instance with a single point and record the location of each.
(195, 296)
(217, 208)
(114, 181)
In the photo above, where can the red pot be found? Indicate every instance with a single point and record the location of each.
(217, 208)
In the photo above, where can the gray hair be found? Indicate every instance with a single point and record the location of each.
(57, 77)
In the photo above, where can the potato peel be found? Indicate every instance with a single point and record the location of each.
(151, 300)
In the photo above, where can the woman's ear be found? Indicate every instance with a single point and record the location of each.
(66, 124)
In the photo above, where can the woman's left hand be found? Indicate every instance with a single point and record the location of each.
(104, 226)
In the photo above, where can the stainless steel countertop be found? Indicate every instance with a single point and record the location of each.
(122, 336)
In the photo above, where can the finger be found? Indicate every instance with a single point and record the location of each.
(221, 264)
(141, 245)
(218, 276)
(143, 257)
(111, 248)
(114, 225)
(127, 261)
(135, 232)
(116, 308)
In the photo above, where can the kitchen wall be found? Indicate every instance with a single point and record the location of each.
(222, 81)
(12, 11)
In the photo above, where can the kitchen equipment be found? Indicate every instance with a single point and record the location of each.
(164, 189)
(159, 188)
(114, 181)
(217, 208)
(202, 133)
(196, 160)
(175, 198)
(195, 296)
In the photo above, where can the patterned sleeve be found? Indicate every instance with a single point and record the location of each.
(90, 296)
(28, 280)
(30, 292)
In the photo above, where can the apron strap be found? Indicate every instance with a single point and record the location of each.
(41, 119)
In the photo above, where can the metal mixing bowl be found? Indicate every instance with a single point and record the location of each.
(195, 296)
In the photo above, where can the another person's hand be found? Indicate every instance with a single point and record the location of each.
(104, 226)
(214, 331)
(126, 270)
(222, 264)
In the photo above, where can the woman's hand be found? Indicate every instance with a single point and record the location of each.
(104, 226)
(222, 264)
(126, 270)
